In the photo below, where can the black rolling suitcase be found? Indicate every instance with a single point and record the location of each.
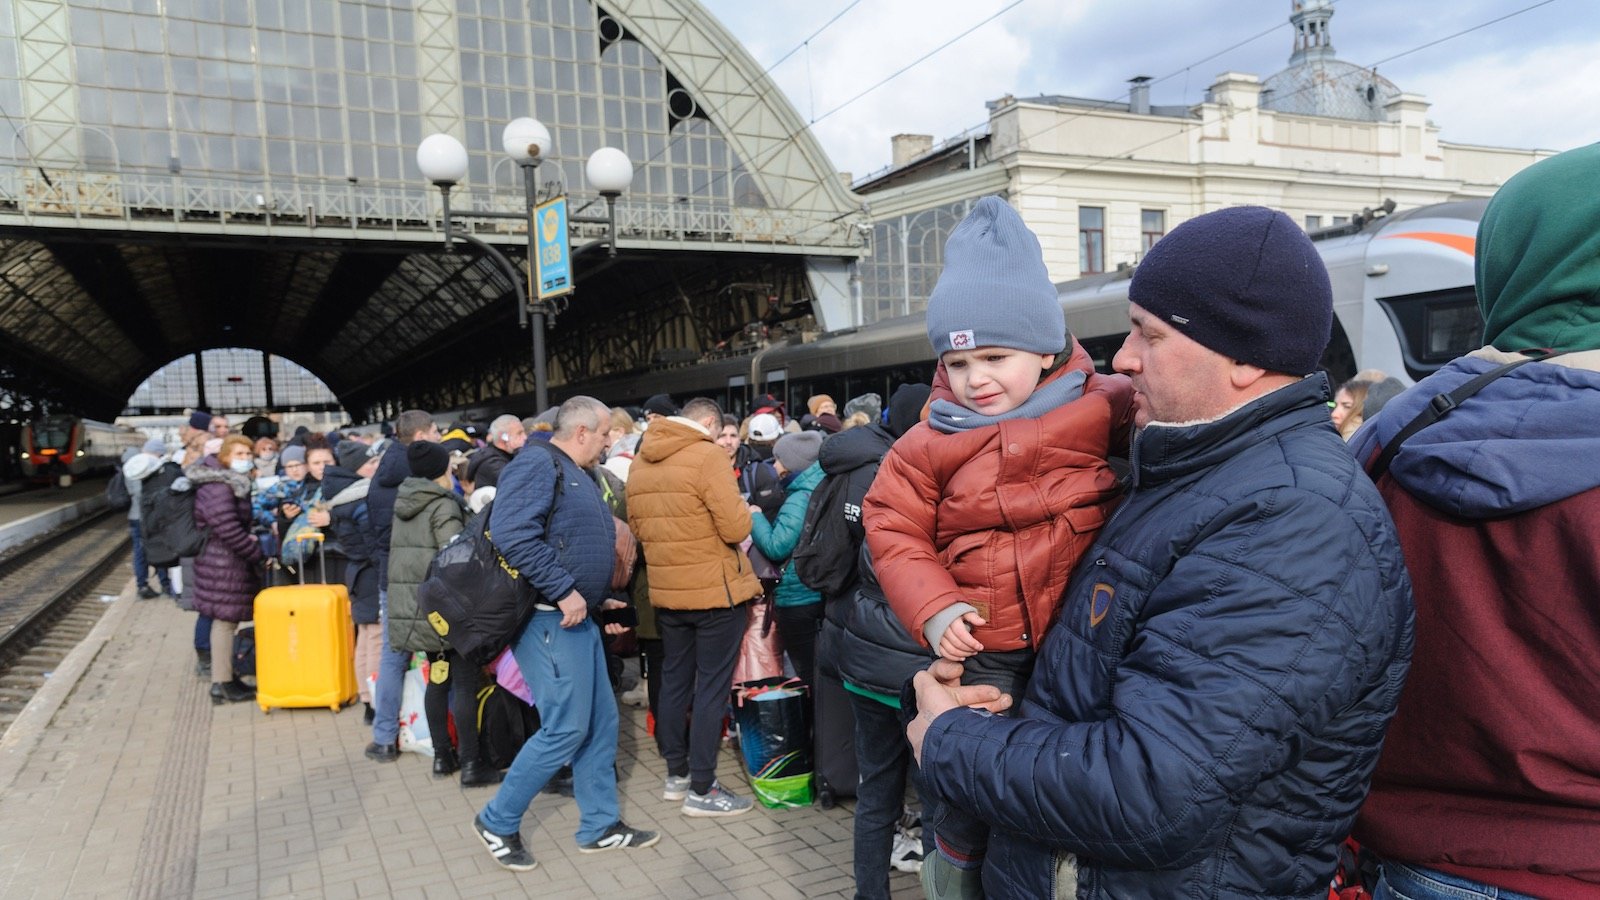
(834, 731)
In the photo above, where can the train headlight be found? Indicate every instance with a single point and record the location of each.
(80, 452)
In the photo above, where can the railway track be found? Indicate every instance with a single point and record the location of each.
(41, 616)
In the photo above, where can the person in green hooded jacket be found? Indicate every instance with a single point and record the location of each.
(799, 607)
(427, 514)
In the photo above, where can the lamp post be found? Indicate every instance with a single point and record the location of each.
(443, 161)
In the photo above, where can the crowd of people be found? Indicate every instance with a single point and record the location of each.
(1139, 634)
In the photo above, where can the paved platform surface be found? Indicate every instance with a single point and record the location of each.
(136, 786)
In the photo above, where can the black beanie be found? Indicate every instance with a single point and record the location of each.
(1244, 281)
(905, 407)
(428, 460)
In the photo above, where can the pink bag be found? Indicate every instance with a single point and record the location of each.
(761, 654)
(508, 675)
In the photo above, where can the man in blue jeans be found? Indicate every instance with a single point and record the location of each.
(411, 425)
(553, 526)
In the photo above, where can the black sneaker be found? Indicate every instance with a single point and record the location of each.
(506, 849)
(369, 715)
(621, 837)
(382, 752)
(146, 593)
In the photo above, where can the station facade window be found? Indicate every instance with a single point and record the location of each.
(1152, 225)
(1091, 239)
(907, 257)
(1313, 223)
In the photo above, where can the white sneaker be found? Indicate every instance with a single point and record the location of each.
(677, 787)
(906, 854)
(636, 697)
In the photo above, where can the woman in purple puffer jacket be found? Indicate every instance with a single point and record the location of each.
(227, 573)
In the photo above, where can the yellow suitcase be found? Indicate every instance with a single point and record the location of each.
(305, 645)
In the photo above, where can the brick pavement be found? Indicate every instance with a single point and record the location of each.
(140, 788)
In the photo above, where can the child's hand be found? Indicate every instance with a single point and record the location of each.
(957, 641)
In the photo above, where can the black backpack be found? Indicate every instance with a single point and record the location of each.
(166, 518)
(473, 597)
(825, 556)
(117, 496)
(505, 723)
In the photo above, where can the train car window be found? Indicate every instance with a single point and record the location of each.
(1102, 349)
(1434, 327)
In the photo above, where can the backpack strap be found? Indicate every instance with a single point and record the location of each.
(1439, 407)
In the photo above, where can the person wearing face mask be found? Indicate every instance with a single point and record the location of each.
(227, 571)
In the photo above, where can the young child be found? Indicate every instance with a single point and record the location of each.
(978, 515)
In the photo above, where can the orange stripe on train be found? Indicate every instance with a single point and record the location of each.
(1465, 243)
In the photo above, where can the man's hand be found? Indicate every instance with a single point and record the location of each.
(319, 518)
(957, 641)
(574, 609)
(615, 627)
(290, 510)
(939, 690)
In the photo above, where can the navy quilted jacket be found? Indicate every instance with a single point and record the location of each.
(579, 551)
(1209, 705)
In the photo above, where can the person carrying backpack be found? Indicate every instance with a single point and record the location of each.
(861, 642)
(171, 538)
(135, 469)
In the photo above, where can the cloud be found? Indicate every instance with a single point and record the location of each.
(1527, 81)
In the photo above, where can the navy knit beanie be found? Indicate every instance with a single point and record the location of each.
(1244, 281)
(994, 290)
(427, 459)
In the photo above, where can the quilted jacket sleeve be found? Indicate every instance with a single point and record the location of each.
(522, 502)
(1237, 655)
(901, 512)
(216, 509)
(777, 540)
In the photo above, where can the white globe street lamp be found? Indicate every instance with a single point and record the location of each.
(443, 161)
(609, 170)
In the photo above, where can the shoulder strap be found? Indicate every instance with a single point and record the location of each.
(1438, 408)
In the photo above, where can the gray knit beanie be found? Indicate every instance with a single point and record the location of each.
(1244, 281)
(994, 290)
(799, 450)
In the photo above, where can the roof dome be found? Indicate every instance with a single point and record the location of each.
(1318, 84)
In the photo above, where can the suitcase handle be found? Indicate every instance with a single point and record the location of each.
(322, 553)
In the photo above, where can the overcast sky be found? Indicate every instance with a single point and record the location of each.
(1532, 80)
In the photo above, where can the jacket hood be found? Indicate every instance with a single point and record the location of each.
(848, 451)
(341, 486)
(807, 479)
(1538, 256)
(416, 494)
(210, 471)
(668, 436)
(1509, 448)
(393, 469)
(141, 466)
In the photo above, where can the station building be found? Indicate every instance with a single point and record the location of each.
(1100, 181)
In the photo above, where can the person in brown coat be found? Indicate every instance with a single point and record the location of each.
(686, 511)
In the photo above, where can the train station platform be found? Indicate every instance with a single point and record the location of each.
(122, 779)
(26, 514)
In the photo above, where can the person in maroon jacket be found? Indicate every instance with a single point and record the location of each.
(1489, 782)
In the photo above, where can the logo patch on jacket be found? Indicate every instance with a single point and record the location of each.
(962, 340)
(1100, 603)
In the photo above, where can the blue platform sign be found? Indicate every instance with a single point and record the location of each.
(553, 248)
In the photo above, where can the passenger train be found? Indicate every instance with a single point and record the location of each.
(1402, 296)
(58, 449)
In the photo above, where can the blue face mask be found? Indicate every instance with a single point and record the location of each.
(242, 466)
